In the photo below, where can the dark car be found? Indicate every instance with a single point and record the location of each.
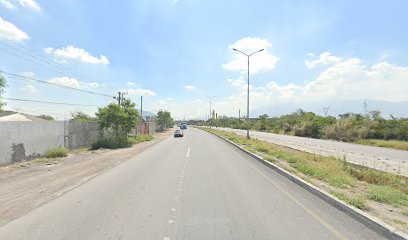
(183, 126)
(178, 133)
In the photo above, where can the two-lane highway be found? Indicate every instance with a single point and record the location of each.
(196, 187)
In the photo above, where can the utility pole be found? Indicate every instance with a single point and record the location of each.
(141, 107)
(118, 98)
(365, 106)
(325, 110)
(239, 115)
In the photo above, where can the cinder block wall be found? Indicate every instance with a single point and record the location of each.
(27, 140)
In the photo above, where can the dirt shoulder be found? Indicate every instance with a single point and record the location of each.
(27, 185)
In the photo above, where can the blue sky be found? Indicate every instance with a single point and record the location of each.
(317, 54)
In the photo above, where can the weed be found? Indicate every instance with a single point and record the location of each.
(140, 138)
(56, 152)
(402, 145)
(387, 194)
(354, 201)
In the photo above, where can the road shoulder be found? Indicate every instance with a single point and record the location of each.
(27, 185)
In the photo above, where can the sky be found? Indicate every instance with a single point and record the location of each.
(178, 53)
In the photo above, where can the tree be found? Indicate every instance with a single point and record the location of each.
(164, 120)
(120, 119)
(3, 85)
(46, 117)
(82, 117)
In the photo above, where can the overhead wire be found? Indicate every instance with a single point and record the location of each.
(43, 60)
(50, 102)
(26, 78)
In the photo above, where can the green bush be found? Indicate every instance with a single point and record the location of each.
(110, 143)
(56, 152)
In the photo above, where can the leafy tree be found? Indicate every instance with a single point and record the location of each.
(120, 119)
(164, 120)
(82, 117)
(46, 117)
(3, 85)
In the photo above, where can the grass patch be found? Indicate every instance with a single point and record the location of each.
(56, 152)
(387, 194)
(354, 201)
(402, 145)
(405, 213)
(140, 138)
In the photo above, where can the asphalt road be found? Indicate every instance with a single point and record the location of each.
(384, 159)
(196, 187)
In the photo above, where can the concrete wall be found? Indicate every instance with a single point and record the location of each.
(80, 134)
(27, 140)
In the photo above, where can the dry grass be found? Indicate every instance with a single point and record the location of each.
(402, 145)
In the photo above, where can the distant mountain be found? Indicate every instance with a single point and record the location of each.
(148, 114)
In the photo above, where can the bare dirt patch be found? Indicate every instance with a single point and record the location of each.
(27, 185)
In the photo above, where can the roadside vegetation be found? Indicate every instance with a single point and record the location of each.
(402, 145)
(369, 129)
(358, 186)
(3, 85)
(56, 152)
(117, 122)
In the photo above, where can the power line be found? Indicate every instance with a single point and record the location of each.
(20, 77)
(44, 59)
(58, 103)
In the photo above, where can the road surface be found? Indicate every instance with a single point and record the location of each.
(384, 159)
(196, 187)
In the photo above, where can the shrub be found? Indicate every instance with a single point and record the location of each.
(56, 152)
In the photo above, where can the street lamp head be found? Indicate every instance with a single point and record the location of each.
(261, 50)
(234, 49)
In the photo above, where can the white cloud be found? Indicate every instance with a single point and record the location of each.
(140, 92)
(190, 88)
(258, 62)
(29, 88)
(9, 31)
(72, 82)
(130, 83)
(240, 82)
(325, 58)
(28, 74)
(71, 52)
(179, 110)
(7, 4)
(350, 79)
(344, 80)
(12, 4)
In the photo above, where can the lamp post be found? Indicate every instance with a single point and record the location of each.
(248, 55)
(209, 116)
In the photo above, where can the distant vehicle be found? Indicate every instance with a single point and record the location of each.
(178, 133)
(183, 126)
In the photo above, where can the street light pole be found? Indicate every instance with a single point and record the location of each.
(248, 55)
(209, 116)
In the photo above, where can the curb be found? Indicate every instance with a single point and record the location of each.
(373, 223)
